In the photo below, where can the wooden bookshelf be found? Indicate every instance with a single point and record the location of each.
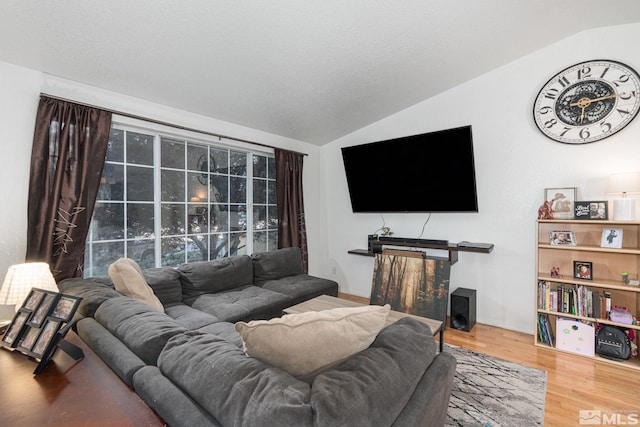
(607, 265)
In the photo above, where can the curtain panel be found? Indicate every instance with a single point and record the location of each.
(292, 229)
(69, 148)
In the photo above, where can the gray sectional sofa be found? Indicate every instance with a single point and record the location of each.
(188, 362)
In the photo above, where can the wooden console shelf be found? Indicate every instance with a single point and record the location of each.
(451, 248)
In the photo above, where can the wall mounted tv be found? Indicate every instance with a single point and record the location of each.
(430, 172)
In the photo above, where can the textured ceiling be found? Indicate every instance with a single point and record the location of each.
(308, 70)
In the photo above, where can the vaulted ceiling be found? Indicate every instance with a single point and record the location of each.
(308, 70)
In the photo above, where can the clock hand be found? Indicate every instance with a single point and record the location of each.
(585, 102)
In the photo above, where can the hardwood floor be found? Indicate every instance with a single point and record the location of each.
(574, 383)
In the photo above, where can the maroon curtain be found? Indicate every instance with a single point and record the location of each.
(69, 148)
(292, 229)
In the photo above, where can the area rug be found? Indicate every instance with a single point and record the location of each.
(488, 391)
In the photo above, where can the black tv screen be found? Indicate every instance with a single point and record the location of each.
(429, 172)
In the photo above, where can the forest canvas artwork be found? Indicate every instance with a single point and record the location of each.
(411, 283)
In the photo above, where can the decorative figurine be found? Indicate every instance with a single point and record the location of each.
(555, 271)
(545, 211)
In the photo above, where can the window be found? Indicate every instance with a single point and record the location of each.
(165, 200)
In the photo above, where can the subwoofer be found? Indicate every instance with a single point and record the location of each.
(463, 309)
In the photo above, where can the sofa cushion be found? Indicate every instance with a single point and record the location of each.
(243, 303)
(129, 280)
(237, 390)
(165, 282)
(276, 264)
(377, 383)
(189, 317)
(307, 343)
(301, 287)
(206, 277)
(93, 291)
(141, 328)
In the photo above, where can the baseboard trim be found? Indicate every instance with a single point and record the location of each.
(354, 298)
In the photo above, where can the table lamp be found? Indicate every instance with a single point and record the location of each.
(624, 185)
(21, 278)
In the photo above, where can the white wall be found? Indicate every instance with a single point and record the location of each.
(20, 90)
(514, 163)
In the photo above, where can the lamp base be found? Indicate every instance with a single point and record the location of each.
(624, 209)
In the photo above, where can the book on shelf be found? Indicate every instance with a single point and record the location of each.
(545, 332)
(577, 299)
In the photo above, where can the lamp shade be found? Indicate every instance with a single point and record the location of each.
(624, 184)
(21, 278)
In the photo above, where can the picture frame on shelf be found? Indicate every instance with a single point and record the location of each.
(561, 200)
(583, 270)
(44, 308)
(49, 330)
(29, 339)
(14, 331)
(33, 299)
(597, 210)
(562, 238)
(611, 238)
(65, 307)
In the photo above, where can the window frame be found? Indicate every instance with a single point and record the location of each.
(160, 132)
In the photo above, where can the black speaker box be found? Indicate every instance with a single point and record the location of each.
(463, 309)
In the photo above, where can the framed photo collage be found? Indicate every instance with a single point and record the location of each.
(35, 327)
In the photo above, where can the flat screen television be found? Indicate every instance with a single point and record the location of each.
(429, 172)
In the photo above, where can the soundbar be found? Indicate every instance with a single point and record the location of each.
(391, 240)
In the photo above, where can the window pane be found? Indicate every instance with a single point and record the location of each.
(197, 219)
(171, 186)
(115, 148)
(139, 220)
(259, 191)
(259, 217)
(271, 192)
(139, 148)
(219, 161)
(172, 219)
(219, 218)
(238, 186)
(108, 221)
(112, 183)
(259, 166)
(260, 241)
(102, 256)
(219, 188)
(273, 241)
(198, 248)
(197, 158)
(139, 183)
(238, 163)
(173, 251)
(271, 168)
(272, 217)
(197, 187)
(238, 217)
(172, 153)
(142, 251)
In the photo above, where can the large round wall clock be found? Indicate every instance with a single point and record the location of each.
(588, 102)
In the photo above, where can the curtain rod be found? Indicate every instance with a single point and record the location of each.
(163, 123)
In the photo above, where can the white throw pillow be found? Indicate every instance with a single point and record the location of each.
(129, 280)
(305, 344)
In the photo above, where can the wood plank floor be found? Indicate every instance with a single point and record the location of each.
(574, 383)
